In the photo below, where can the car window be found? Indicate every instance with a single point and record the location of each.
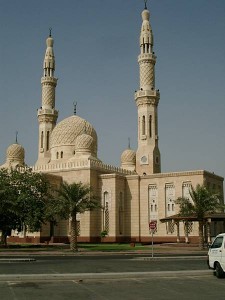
(218, 242)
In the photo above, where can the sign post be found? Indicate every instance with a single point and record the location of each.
(152, 228)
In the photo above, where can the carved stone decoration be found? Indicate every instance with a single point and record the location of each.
(153, 202)
(128, 156)
(147, 74)
(84, 141)
(170, 199)
(15, 152)
(147, 101)
(186, 186)
(43, 118)
(48, 95)
(66, 132)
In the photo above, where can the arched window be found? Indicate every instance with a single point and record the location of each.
(156, 124)
(61, 154)
(42, 139)
(57, 155)
(143, 125)
(139, 128)
(47, 141)
(150, 126)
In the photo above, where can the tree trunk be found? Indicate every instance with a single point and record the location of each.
(200, 232)
(73, 237)
(4, 238)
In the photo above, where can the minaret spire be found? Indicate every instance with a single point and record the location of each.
(16, 137)
(47, 115)
(146, 3)
(147, 98)
(49, 60)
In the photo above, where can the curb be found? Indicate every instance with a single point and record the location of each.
(170, 258)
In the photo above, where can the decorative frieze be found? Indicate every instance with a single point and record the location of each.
(143, 101)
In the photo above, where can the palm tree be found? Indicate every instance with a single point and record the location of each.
(73, 199)
(203, 202)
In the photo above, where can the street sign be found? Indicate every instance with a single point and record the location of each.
(153, 225)
(152, 228)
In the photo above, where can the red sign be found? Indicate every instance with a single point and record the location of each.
(153, 225)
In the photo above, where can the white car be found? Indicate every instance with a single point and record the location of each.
(216, 255)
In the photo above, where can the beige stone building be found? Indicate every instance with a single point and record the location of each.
(132, 195)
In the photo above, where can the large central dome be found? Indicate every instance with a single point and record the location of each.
(66, 131)
(64, 138)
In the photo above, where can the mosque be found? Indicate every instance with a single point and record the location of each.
(132, 195)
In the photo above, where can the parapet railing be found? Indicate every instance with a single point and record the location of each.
(52, 167)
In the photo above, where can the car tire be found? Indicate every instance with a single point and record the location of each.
(219, 271)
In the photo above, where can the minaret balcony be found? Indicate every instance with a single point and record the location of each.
(48, 79)
(147, 56)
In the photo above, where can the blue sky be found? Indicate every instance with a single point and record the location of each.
(96, 48)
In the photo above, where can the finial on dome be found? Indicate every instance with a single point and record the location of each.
(16, 137)
(146, 4)
(50, 32)
(74, 108)
(128, 143)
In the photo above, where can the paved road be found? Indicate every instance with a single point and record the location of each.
(185, 288)
(108, 277)
(99, 264)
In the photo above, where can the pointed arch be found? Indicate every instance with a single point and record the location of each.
(143, 125)
(47, 140)
(42, 139)
(150, 126)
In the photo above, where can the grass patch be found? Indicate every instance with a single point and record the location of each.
(112, 247)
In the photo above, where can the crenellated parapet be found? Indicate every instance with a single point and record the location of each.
(81, 164)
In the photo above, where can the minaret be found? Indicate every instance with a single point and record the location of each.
(147, 99)
(47, 115)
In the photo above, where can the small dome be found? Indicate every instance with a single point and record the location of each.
(66, 132)
(84, 142)
(15, 152)
(128, 156)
